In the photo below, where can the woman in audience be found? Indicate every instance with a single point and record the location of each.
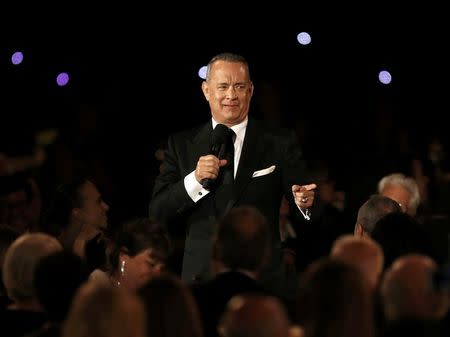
(139, 253)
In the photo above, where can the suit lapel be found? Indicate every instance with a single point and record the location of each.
(249, 160)
(201, 143)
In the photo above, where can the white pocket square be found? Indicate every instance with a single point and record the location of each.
(263, 172)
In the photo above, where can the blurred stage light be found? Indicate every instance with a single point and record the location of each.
(202, 72)
(304, 38)
(62, 79)
(17, 58)
(385, 77)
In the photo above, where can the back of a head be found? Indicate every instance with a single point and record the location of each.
(334, 300)
(243, 239)
(105, 311)
(21, 260)
(254, 316)
(65, 198)
(400, 234)
(56, 279)
(376, 207)
(363, 253)
(389, 186)
(170, 308)
(408, 292)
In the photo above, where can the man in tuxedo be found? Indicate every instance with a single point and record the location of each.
(265, 163)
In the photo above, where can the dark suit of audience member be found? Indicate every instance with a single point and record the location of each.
(400, 234)
(56, 279)
(241, 248)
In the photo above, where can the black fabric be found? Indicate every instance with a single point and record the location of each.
(225, 179)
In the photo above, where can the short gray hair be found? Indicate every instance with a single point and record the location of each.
(376, 207)
(408, 184)
(227, 57)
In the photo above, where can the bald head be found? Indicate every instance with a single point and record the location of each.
(408, 292)
(254, 316)
(363, 253)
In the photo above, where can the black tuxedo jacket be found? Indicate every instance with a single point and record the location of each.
(275, 153)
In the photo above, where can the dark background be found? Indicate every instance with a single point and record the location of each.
(136, 67)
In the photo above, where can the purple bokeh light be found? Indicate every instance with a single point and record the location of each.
(62, 79)
(385, 77)
(202, 72)
(17, 58)
(304, 38)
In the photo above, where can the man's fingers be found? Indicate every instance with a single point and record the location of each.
(298, 188)
(309, 187)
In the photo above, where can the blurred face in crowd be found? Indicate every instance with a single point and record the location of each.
(228, 90)
(398, 194)
(135, 271)
(93, 209)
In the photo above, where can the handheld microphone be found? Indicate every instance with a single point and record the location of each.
(218, 148)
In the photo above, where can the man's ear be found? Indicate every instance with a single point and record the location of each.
(252, 88)
(359, 230)
(76, 213)
(205, 89)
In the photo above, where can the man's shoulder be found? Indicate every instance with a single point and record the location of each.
(186, 134)
(270, 130)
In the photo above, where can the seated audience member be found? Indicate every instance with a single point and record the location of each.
(373, 210)
(56, 279)
(413, 303)
(402, 189)
(363, 253)
(105, 310)
(334, 300)
(241, 248)
(170, 308)
(139, 253)
(25, 314)
(254, 316)
(77, 216)
(400, 234)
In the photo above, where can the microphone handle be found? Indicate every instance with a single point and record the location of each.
(218, 151)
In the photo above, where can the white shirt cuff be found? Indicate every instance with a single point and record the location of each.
(193, 188)
(306, 213)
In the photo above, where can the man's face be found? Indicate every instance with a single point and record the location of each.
(93, 209)
(228, 91)
(398, 194)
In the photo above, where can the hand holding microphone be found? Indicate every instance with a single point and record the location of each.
(208, 166)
